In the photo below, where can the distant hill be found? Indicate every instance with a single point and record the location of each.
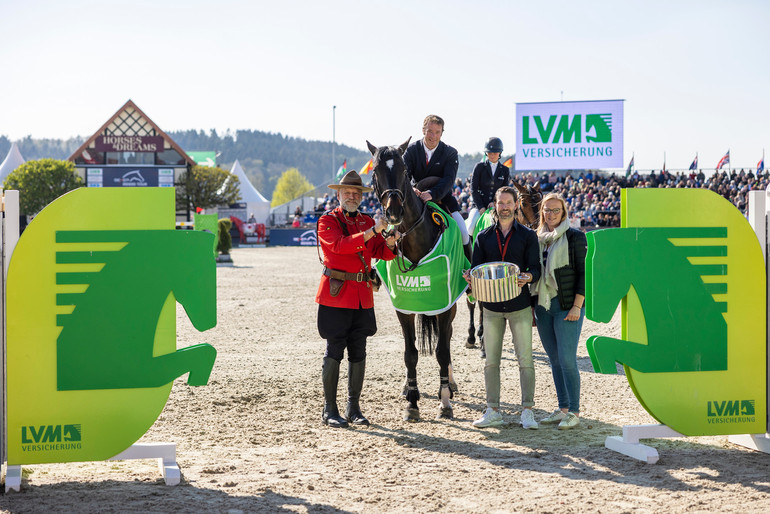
(264, 156)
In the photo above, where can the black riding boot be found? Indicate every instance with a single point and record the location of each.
(355, 384)
(331, 376)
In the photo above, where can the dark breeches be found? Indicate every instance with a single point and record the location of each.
(346, 328)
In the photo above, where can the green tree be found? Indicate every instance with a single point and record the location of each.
(206, 187)
(291, 185)
(41, 182)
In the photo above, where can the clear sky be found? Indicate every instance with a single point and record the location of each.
(694, 74)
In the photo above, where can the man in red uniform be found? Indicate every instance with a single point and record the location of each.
(350, 239)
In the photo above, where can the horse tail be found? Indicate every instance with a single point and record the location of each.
(428, 328)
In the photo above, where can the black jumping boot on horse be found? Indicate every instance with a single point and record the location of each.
(355, 384)
(331, 376)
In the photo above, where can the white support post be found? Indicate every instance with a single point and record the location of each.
(12, 478)
(9, 236)
(164, 452)
(629, 443)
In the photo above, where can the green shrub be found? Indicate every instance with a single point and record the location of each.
(224, 241)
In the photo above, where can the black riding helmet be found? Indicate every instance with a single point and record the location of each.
(494, 145)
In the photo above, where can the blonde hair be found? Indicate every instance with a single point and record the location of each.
(432, 118)
(564, 210)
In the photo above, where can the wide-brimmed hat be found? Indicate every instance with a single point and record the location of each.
(351, 179)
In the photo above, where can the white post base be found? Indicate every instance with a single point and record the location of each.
(164, 452)
(759, 442)
(629, 444)
(12, 478)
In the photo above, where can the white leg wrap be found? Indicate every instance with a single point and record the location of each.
(463, 229)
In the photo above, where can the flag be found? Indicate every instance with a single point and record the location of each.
(630, 165)
(761, 164)
(367, 168)
(724, 160)
(343, 169)
(694, 164)
(508, 163)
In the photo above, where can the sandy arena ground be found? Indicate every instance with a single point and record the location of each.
(253, 441)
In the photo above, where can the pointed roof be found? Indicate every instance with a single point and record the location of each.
(249, 193)
(12, 161)
(118, 124)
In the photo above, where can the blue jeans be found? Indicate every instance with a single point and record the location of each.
(560, 339)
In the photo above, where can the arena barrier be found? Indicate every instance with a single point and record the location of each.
(689, 274)
(90, 334)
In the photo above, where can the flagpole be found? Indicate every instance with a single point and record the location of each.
(334, 139)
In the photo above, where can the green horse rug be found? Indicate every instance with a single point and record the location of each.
(437, 282)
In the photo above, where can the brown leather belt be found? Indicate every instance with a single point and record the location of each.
(343, 275)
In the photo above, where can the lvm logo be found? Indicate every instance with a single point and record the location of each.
(566, 128)
(50, 437)
(413, 282)
(729, 411)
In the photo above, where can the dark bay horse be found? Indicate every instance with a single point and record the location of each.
(404, 210)
(528, 214)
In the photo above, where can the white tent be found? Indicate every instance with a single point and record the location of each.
(255, 202)
(12, 161)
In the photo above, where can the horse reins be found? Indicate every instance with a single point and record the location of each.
(400, 252)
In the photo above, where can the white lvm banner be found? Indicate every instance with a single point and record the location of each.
(569, 135)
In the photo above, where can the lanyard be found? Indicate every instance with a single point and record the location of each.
(502, 248)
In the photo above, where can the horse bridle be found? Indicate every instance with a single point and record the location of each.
(400, 255)
(529, 223)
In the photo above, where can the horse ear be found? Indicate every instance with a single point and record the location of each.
(404, 145)
(518, 186)
(372, 148)
(537, 187)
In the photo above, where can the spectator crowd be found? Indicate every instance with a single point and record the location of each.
(594, 199)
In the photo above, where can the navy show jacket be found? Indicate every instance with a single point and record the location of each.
(443, 164)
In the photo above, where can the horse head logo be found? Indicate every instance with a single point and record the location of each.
(691, 277)
(670, 289)
(598, 128)
(94, 282)
(122, 356)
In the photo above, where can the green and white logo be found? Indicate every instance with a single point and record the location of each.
(569, 129)
(91, 353)
(683, 267)
(569, 135)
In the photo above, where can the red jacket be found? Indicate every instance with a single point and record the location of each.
(341, 253)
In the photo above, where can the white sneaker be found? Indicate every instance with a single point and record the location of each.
(571, 421)
(528, 419)
(554, 418)
(491, 418)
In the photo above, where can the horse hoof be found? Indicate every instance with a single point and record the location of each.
(445, 413)
(411, 415)
(470, 344)
(453, 386)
